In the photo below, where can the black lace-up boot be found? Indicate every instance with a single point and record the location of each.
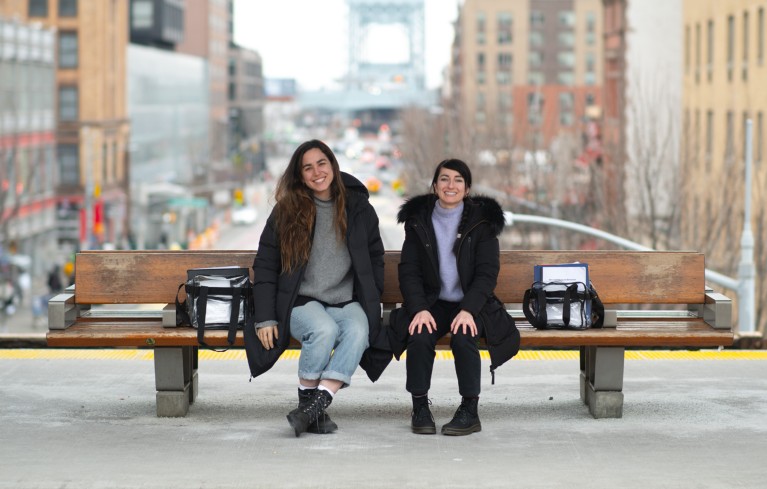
(466, 419)
(323, 424)
(303, 416)
(421, 421)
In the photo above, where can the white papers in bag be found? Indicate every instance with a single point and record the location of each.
(565, 273)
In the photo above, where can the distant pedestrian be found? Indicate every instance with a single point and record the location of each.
(54, 280)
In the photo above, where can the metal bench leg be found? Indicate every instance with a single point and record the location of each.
(585, 374)
(174, 380)
(603, 379)
(193, 363)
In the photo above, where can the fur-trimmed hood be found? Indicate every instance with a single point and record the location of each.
(482, 209)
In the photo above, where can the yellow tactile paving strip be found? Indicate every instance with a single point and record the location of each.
(133, 354)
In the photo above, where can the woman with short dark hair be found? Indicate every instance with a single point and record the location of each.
(447, 273)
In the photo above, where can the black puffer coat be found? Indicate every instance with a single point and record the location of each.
(478, 264)
(274, 292)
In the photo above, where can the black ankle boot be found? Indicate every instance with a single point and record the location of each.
(303, 416)
(421, 420)
(323, 424)
(466, 419)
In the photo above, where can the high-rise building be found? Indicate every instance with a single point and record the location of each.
(28, 175)
(523, 72)
(725, 71)
(208, 33)
(92, 128)
(246, 111)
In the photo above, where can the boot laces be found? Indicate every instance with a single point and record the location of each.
(316, 406)
(422, 411)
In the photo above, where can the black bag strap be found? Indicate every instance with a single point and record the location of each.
(597, 309)
(538, 319)
(182, 317)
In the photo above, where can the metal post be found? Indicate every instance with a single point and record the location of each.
(85, 138)
(746, 272)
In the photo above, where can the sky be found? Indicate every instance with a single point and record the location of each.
(307, 39)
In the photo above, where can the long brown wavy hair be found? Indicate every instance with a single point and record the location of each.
(295, 208)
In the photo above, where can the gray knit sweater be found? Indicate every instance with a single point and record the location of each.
(328, 276)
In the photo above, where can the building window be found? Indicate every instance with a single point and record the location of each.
(744, 73)
(503, 76)
(68, 50)
(504, 28)
(697, 53)
(536, 59)
(480, 68)
(67, 8)
(534, 108)
(536, 39)
(591, 22)
(142, 14)
(481, 28)
(536, 19)
(232, 91)
(709, 139)
(710, 51)
(566, 101)
(566, 78)
(68, 104)
(730, 139)
(687, 49)
(69, 164)
(535, 78)
(730, 45)
(566, 39)
(567, 18)
(38, 8)
(760, 36)
(759, 134)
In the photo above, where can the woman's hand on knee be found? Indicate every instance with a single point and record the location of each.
(267, 335)
(464, 320)
(423, 318)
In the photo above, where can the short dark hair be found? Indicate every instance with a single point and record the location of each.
(456, 165)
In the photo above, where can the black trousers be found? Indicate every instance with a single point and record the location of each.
(421, 350)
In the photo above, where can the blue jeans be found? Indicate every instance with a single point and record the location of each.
(333, 340)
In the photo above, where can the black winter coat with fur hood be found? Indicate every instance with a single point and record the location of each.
(478, 263)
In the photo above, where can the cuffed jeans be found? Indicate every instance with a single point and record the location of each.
(421, 349)
(333, 340)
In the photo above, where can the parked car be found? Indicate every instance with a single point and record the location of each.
(244, 216)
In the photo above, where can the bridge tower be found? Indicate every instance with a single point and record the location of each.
(397, 20)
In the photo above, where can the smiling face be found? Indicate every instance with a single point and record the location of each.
(450, 188)
(317, 173)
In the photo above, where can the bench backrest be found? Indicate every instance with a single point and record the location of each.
(620, 277)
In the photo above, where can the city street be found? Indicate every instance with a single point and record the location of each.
(386, 203)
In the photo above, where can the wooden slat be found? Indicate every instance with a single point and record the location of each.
(143, 277)
(633, 333)
(620, 277)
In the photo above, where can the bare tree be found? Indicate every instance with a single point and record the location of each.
(653, 166)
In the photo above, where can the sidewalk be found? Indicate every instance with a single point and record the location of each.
(85, 419)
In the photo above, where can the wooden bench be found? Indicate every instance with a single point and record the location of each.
(653, 299)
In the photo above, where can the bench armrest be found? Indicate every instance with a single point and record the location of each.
(169, 316)
(63, 311)
(717, 311)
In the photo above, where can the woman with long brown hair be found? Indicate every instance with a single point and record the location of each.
(318, 277)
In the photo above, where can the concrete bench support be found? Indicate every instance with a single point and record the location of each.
(176, 379)
(602, 380)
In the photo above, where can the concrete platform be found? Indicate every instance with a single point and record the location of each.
(86, 419)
